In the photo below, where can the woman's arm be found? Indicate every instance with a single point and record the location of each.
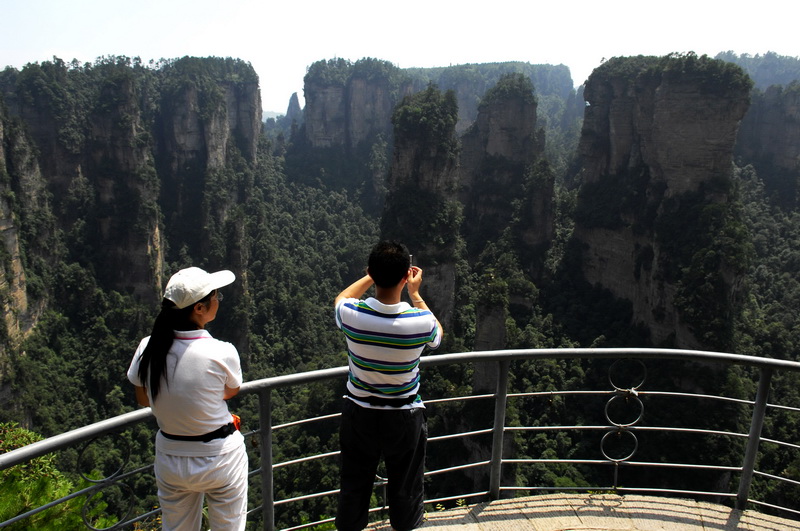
(230, 392)
(141, 396)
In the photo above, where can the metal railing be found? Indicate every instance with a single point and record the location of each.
(266, 388)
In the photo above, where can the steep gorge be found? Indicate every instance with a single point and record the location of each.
(162, 163)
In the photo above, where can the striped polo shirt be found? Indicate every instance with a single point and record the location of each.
(384, 345)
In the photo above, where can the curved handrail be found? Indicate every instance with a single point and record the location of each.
(263, 387)
(610, 353)
(63, 440)
(73, 437)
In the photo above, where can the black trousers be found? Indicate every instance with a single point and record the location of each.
(400, 437)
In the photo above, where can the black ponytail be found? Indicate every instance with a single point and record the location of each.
(153, 364)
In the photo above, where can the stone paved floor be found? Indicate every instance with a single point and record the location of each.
(589, 512)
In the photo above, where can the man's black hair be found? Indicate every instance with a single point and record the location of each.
(388, 263)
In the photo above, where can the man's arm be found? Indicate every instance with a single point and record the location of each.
(354, 290)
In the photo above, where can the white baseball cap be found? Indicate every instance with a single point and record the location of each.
(189, 285)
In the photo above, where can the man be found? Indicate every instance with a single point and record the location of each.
(383, 414)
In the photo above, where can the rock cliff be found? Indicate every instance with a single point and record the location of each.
(199, 131)
(497, 160)
(324, 116)
(481, 202)
(421, 209)
(657, 145)
(107, 156)
(349, 108)
(347, 104)
(17, 306)
(115, 183)
(471, 81)
(294, 114)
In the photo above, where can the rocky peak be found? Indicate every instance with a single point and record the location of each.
(369, 108)
(657, 140)
(294, 114)
(347, 104)
(497, 158)
(324, 117)
(421, 208)
(198, 127)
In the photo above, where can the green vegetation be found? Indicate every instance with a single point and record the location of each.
(510, 86)
(766, 70)
(710, 75)
(296, 237)
(31, 485)
(428, 118)
(703, 250)
(330, 73)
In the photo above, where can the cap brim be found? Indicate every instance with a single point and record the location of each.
(220, 279)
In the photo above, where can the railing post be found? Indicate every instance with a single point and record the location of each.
(753, 440)
(265, 435)
(500, 399)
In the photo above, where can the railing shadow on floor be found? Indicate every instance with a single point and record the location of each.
(618, 439)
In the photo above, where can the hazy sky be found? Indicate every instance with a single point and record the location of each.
(282, 38)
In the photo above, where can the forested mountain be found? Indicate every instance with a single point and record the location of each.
(655, 213)
(765, 70)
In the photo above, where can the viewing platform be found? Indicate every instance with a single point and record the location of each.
(752, 473)
(560, 512)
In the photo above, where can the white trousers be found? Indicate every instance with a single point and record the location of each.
(184, 481)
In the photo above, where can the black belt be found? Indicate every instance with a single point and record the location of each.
(378, 401)
(219, 433)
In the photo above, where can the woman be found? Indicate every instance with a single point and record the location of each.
(186, 376)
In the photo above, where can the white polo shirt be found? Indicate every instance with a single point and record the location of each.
(191, 402)
(384, 344)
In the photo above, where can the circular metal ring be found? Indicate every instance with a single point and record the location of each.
(86, 506)
(120, 442)
(619, 432)
(626, 397)
(617, 363)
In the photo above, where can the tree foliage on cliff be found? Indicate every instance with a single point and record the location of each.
(330, 73)
(709, 75)
(428, 118)
(510, 86)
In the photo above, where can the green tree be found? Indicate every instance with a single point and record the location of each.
(35, 483)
